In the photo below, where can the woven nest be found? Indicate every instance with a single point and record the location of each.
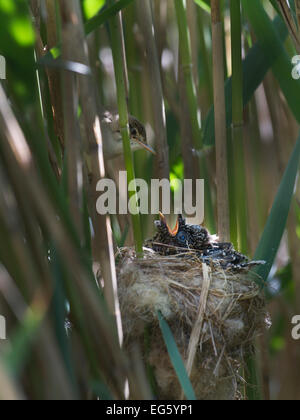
(214, 316)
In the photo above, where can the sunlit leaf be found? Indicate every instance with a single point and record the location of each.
(92, 7)
(55, 52)
(203, 4)
(8, 6)
(22, 31)
(106, 14)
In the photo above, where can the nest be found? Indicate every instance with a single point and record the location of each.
(214, 316)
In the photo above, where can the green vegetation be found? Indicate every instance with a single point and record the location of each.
(56, 253)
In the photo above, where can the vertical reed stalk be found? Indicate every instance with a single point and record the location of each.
(17, 154)
(289, 20)
(191, 15)
(116, 43)
(53, 75)
(194, 112)
(232, 191)
(239, 181)
(134, 73)
(189, 127)
(297, 5)
(71, 128)
(252, 208)
(237, 126)
(43, 92)
(189, 161)
(205, 58)
(220, 122)
(158, 106)
(103, 243)
(186, 63)
(18, 159)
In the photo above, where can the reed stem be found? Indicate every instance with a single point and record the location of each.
(158, 106)
(239, 181)
(220, 123)
(103, 244)
(186, 64)
(116, 44)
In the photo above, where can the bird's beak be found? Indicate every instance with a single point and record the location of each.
(146, 147)
(172, 232)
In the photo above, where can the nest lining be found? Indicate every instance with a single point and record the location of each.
(213, 330)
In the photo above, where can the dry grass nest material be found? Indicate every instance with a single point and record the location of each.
(214, 316)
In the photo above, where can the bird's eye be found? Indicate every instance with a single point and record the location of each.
(182, 237)
(134, 132)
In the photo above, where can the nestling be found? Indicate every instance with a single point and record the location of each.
(185, 237)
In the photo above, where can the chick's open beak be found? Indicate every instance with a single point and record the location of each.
(172, 232)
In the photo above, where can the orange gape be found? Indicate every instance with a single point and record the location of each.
(173, 232)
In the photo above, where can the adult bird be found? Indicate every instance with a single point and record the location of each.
(113, 145)
(113, 152)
